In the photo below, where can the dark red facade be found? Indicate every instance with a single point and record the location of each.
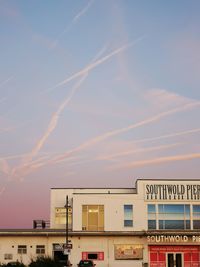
(183, 256)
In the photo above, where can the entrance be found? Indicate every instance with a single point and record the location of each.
(174, 260)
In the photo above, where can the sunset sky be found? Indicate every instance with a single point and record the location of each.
(95, 93)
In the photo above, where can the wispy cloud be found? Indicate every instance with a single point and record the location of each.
(4, 167)
(164, 98)
(157, 161)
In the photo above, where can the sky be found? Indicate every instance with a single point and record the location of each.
(95, 94)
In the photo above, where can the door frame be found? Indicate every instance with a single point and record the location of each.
(174, 255)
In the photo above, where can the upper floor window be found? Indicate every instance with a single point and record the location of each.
(93, 217)
(196, 216)
(128, 215)
(151, 216)
(60, 216)
(40, 249)
(22, 249)
(173, 216)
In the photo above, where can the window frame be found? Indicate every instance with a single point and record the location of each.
(128, 215)
(22, 249)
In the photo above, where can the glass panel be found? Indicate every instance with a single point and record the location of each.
(173, 224)
(84, 217)
(187, 209)
(196, 224)
(161, 224)
(196, 208)
(101, 218)
(128, 215)
(151, 224)
(160, 208)
(174, 208)
(188, 224)
(151, 208)
(128, 223)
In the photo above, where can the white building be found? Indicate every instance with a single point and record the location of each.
(155, 224)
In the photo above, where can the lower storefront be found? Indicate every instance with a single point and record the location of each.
(174, 256)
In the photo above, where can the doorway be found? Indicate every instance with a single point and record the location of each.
(174, 260)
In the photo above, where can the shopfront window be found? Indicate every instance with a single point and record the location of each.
(196, 216)
(173, 216)
(128, 215)
(151, 216)
(93, 217)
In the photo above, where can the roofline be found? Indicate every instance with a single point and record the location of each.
(62, 233)
(128, 188)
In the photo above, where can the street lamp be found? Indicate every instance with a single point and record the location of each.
(67, 223)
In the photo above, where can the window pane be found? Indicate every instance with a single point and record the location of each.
(196, 224)
(161, 224)
(128, 212)
(174, 224)
(128, 223)
(84, 217)
(93, 217)
(151, 208)
(174, 208)
(196, 208)
(151, 224)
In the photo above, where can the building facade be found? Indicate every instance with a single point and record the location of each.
(156, 224)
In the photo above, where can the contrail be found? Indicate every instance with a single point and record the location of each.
(83, 11)
(167, 136)
(53, 122)
(91, 66)
(133, 151)
(158, 160)
(74, 20)
(7, 80)
(107, 135)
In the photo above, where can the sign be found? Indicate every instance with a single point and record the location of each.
(58, 247)
(128, 252)
(173, 239)
(66, 251)
(173, 191)
(67, 246)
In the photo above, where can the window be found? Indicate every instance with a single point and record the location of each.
(151, 216)
(173, 216)
(22, 249)
(93, 217)
(40, 249)
(8, 256)
(196, 216)
(128, 215)
(60, 216)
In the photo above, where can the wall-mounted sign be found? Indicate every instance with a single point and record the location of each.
(172, 192)
(128, 252)
(173, 239)
(99, 256)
